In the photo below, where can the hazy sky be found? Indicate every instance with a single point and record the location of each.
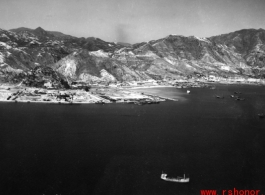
(134, 20)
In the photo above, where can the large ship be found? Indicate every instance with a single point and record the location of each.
(178, 179)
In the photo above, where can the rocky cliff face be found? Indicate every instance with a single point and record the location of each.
(240, 53)
(247, 44)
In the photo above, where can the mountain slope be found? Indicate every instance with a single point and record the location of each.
(236, 54)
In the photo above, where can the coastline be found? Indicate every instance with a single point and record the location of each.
(73, 96)
(153, 86)
(101, 95)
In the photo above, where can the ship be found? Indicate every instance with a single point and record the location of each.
(178, 179)
(220, 97)
(261, 115)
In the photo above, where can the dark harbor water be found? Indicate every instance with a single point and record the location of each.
(123, 148)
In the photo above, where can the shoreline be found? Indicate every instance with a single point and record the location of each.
(104, 95)
(44, 102)
(75, 97)
(147, 87)
(236, 83)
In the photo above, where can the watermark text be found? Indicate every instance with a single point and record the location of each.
(231, 192)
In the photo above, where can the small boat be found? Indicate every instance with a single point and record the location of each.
(178, 179)
(188, 91)
(261, 115)
(240, 99)
(220, 97)
(232, 96)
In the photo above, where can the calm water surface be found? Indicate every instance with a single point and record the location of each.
(123, 148)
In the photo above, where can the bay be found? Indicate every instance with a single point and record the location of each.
(123, 148)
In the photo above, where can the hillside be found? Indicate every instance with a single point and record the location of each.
(236, 54)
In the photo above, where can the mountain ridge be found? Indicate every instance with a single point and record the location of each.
(236, 54)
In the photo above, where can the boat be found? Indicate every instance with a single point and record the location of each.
(188, 91)
(261, 115)
(178, 179)
(240, 99)
(220, 97)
